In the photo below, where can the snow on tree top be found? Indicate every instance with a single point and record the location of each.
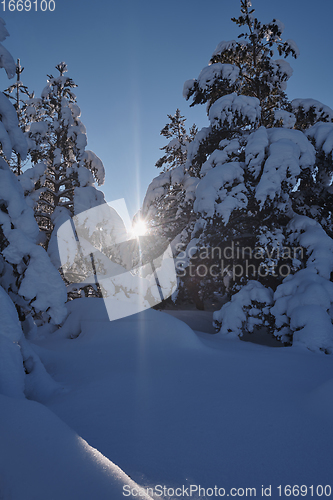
(85, 177)
(12, 136)
(217, 70)
(321, 111)
(287, 119)
(289, 152)
(282, 164)
(188, 85)
(95, 164)
(322, 133)
(62, 67)
(255, 150)
(34, 101)
(76, 111)
(193, 146)
(216, 192)
(40, 128)
(60, 82)
(18, 213)
(31, 175)
(66, 113)
(174, 143)
(6, 144)
(307, 157)
(77, 132)
(233, 108)
(293, 46)
(319, 246)
(41, 281)
(305, 298)
(280, 29)
(190, 186)
(87, 197)
(157, 185)
(282, 71)
(218, 157)
(229, 45)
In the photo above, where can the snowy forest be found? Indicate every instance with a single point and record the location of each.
(190, 355)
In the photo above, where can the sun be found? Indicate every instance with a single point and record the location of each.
(139, 228)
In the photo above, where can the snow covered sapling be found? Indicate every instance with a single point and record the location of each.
(18, 93)
(176, 149)
(167, 207)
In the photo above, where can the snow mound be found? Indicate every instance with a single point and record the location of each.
(172, 415)
(163, 332)
(51, 460)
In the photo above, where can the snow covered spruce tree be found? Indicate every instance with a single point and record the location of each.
(165, 195)
(30, 287)
(167, 207)
(176, 149)
(262, 197)
(62, 180)
(58, 141)
(18, 93)
(243, 89)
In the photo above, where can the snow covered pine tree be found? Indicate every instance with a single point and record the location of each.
(30, 286)
(167, 207)
(165, 194)
(176, 149)
(62, 179)
(16, 92)
(263, 193)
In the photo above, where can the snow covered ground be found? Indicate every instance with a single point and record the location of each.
(147, 400)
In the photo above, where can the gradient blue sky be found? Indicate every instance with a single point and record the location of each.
(130, 59)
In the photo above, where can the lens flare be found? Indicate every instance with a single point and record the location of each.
(139, 228)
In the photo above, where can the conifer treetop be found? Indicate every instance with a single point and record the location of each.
(246, 66)
(176, 150)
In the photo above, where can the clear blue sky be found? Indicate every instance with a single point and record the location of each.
(130, 59)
